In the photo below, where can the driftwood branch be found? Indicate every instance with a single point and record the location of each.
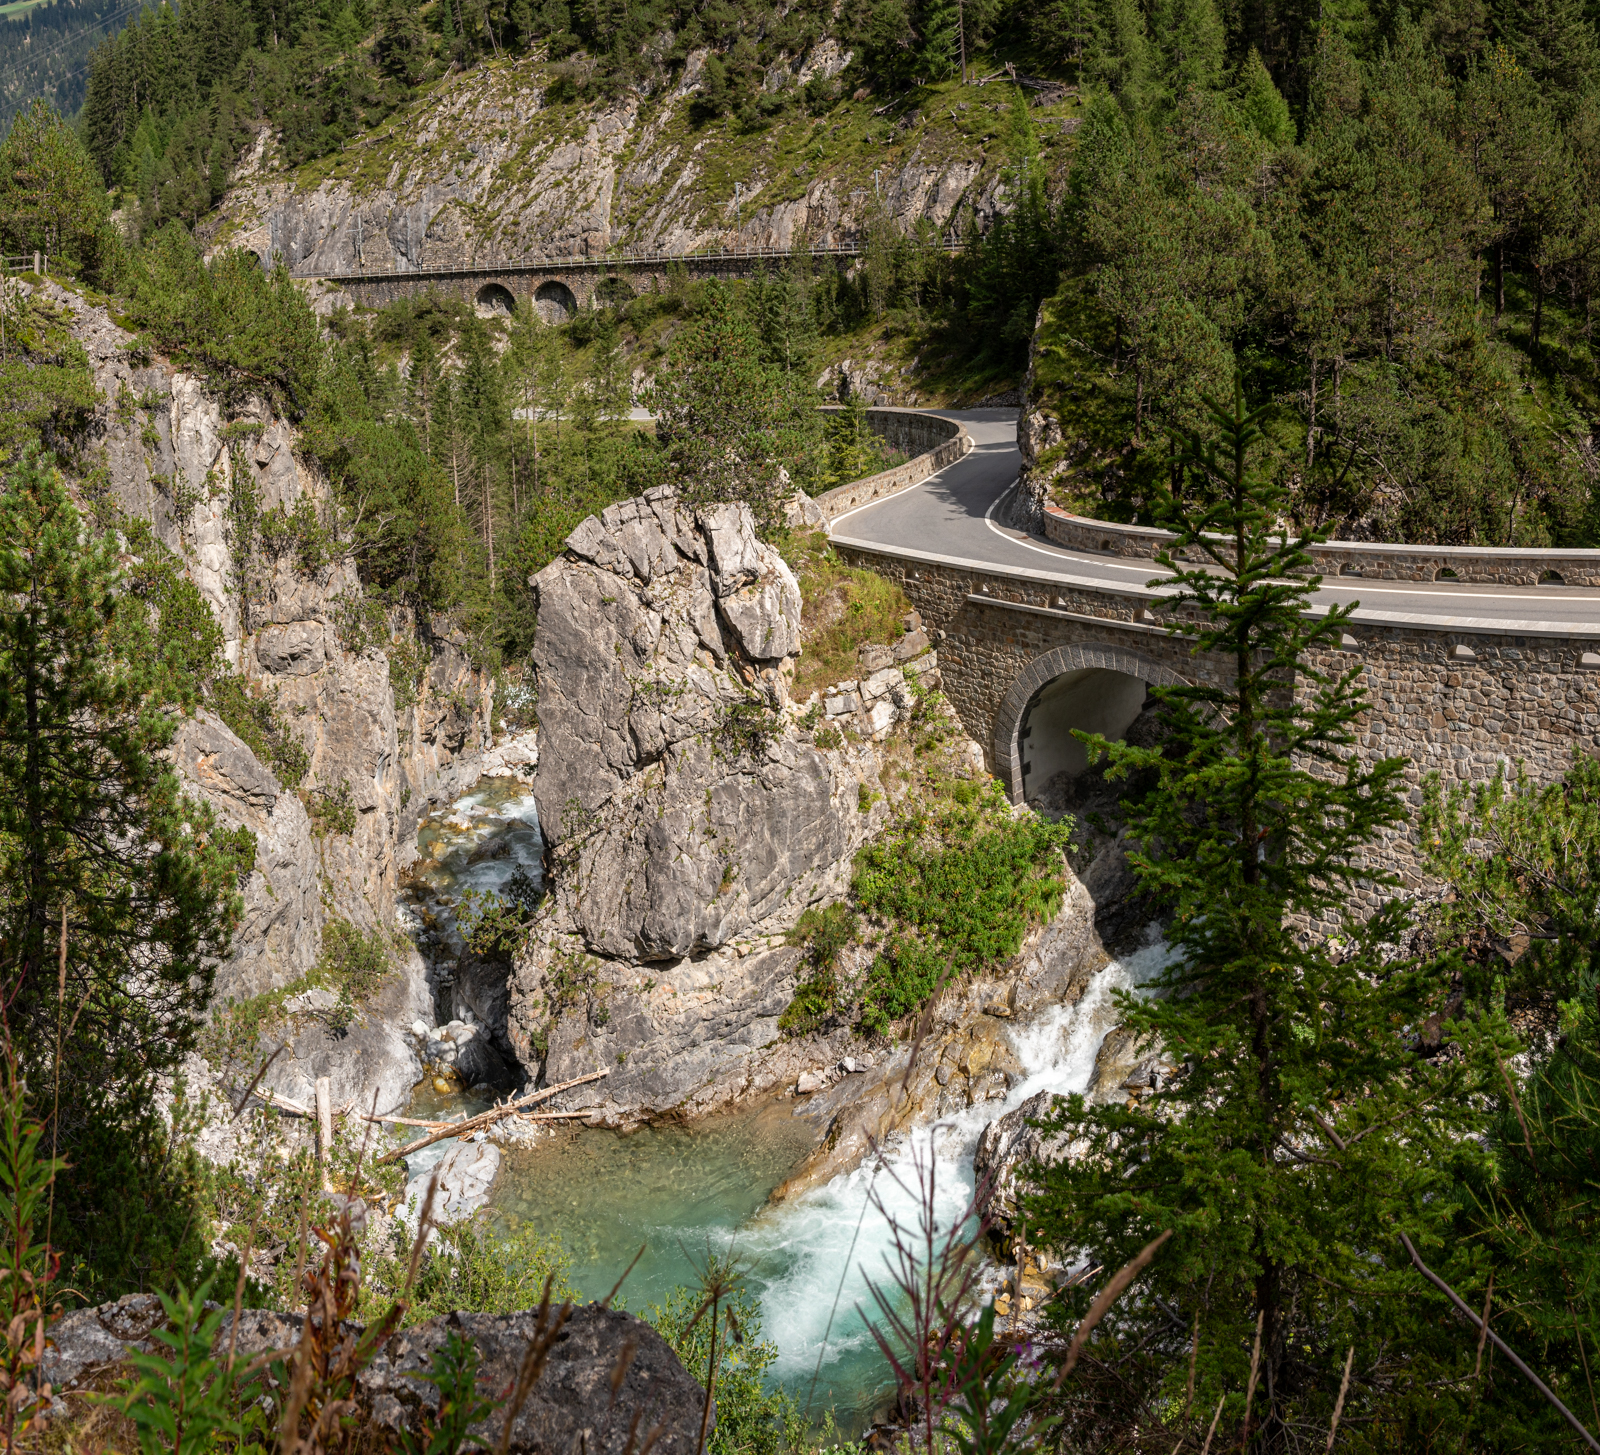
(456, 1129)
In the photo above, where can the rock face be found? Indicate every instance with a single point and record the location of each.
(1008, 1144)
(172, 457)
(484, 169)
(606, 1369)
(1038, 431)
(691, 820)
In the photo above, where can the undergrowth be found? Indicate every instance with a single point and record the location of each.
(949, 890)
(842, 609)
(354, 965)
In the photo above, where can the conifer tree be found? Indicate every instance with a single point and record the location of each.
(1261, 105)
(99, 848)
(1298, 1127)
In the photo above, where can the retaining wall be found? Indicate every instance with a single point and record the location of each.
(1366, 559)
(1459, 702)
(934, 443)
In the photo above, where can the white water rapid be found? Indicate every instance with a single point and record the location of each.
(811, 1258)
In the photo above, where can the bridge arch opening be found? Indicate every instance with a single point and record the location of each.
(1093, 689)
(1090, 700)
(493, 300)
(554, 302)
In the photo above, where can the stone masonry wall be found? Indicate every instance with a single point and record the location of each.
(936, 442)
(1457, 702)
(1367, 559)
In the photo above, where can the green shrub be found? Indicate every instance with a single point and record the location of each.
(253, 717)
(961, 883)
(487, 1263)
(824, 933)
(751, 1419)
(842, 609)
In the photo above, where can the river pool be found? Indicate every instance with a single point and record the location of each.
(683, 1192)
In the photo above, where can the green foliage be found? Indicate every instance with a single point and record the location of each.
(102, 835)
(453, 1371)
(184, 636)
(252, 713)
(29, 1263)
(960, 882)
(492, 1265)
(843, 608)
(851, 449)
(824, 933)
(353, 962)
(1260, 105)
(333, 811)
(246, 331)
(751, 1420)
(299, 532)
(495, 925)
(730, 422)
(51, 198)
(1256, 822)
(180, 1402)
(1523, 864)
(47, 390)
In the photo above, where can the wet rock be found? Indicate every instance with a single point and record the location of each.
(1007, 1145)
(466, 1173)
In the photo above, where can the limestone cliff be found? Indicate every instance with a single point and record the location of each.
(333, 843)
(494, 165)
(693, 812)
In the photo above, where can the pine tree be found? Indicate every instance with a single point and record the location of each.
(728, 421)
(1260, 104)
(938, 48)
(1297, 1129)
(97, 844)
(1192, 44)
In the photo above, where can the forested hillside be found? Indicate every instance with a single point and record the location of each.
(1394, 237)
(45, 49)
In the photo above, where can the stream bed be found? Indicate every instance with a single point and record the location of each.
(683, 1192)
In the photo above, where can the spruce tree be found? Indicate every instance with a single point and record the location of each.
(95, 831)
(1298, 1124)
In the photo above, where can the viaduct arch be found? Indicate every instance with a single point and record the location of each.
(556, 287)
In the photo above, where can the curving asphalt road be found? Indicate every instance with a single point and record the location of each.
(951, 516)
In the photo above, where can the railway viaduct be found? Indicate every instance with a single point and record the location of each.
(558, 288)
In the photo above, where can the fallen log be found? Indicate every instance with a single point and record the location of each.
(456, 1129)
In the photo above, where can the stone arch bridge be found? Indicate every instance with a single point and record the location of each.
(1472, 658)
(559, 287)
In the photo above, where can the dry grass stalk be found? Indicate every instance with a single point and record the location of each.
(1577, 1425)
(1255, 1373)
(546, 1330)
(1105, 1298)
(1206, 1448)
(1344, 1389)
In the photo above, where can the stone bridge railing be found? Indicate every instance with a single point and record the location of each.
(1366, 559)
(1458, 700)
(932, 441)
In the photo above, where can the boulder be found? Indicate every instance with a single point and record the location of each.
(1004, 1148)
(608, 1374)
